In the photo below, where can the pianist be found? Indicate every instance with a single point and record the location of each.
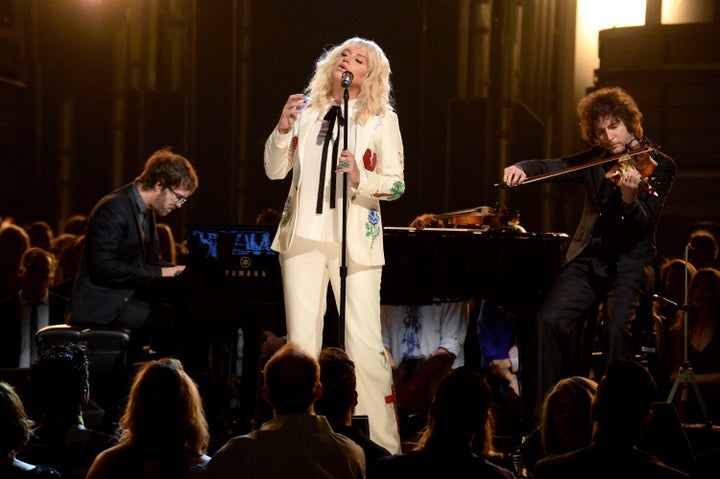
(120, 257)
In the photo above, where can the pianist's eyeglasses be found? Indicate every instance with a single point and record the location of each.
(181, 200)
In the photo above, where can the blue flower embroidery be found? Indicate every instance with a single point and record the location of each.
(372, 228)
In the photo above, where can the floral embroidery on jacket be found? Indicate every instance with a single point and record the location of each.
(370, 160)
(287, 210)
(372, 228)
(396, 191)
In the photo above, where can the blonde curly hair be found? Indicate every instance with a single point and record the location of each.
(374, 98)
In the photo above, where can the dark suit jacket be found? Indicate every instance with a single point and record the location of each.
(605, 461)
(616, 233)
(10, 318)
(436, 461)
(116, 262)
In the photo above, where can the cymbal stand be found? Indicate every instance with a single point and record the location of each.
(685, 373)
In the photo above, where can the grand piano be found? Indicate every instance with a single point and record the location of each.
(232, 268)
(234, 281)
(509, 266)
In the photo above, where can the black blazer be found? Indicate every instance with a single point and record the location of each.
(116, 263)
(624, 235)
(10, 318)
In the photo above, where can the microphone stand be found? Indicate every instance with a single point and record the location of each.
(343, 261)
(685, 372)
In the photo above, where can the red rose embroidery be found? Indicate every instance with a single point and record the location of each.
(370, 160)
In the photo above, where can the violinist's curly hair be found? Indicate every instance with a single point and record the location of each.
(614, 102)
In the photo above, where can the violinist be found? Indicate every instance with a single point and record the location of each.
(609, 260)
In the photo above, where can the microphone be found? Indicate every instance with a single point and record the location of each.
(661, 299)
(347, 78)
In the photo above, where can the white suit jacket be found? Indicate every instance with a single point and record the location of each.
(379, 156)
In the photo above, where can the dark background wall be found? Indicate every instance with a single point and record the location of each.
(89, 89)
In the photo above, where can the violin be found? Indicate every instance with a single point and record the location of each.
(639, 157)
(482, 217)
(641, 160)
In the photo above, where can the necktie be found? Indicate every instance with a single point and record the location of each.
(33, 330)
(150, 237)
(146, 226)
(332, 114)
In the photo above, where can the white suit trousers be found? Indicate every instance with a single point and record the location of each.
(306, 269)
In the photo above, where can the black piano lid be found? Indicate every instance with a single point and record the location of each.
(507, 266)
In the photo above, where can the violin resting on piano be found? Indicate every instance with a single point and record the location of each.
(481, 218)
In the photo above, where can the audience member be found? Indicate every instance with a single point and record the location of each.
(268, 217)
(423, 331)
(703, 344)
(703, 249)
(457, 441)
(423, 342)
(621, 408)
(499, 360)
(163, 431)
(339, 398)
(166, 242)
(59, 391)
(68, 264)
(75, 225)
(6, 219)
(182, 251)
(671, 293)
(59, 247)
(667, 310)
(296, 443)
(41, 234)
(14, 241)
(30, 310)
(14, 435)
(566, 422)
(121, 254)
(497, 343)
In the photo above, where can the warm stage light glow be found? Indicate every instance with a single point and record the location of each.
(601, 14)
(593, 16)
(687, 11)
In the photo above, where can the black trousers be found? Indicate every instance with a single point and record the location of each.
(581, 285)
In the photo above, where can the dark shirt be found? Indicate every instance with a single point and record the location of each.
(611, 229)
(71, 451)
(373, 451)
(707, 360)
(436, 462)
(602, 461)
(133, 462)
